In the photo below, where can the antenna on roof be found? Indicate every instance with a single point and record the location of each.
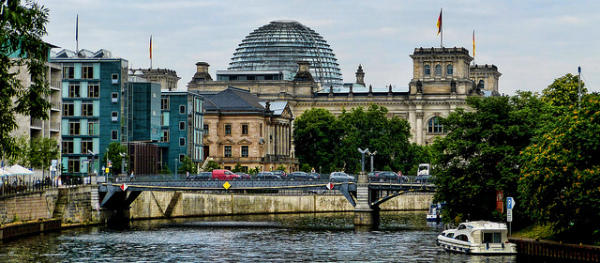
(77, 34)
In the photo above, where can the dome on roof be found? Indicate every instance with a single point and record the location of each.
(280, 45)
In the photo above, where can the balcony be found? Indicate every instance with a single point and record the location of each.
(55, 126)
(36, 123)
(56, 104)
(56, 84)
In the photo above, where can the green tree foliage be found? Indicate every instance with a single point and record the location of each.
(315, 137)
(211, 165)
(237, 168)
(165, 170)
(371, 129)
(480, 153)
(22, 26)
(328, 143)
(115, 149)
(560, 178)
(42, 151)
(563, 91)
(187, 166)
(281, 167)
(306, 168)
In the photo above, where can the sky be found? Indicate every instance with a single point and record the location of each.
(532, 42)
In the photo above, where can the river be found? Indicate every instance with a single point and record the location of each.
(402, 237)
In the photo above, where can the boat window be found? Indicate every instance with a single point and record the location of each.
(462, 227)
(462, 238)
(492, 238)
(449, 234)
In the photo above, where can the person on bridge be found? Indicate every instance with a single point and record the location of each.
(132, 176)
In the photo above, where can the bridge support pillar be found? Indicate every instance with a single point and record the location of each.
(365, 217)
(116, 218)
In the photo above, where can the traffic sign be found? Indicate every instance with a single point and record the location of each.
(226, 185)
(510, 203)
(509, 215)
(330, 186)
(123, 187)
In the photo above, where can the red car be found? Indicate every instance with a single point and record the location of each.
(221, 174)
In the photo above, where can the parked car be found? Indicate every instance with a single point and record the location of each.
(200, 176)
(299, 176)
(244, 176)
(383, 176)
(314, 176)
(221, 174)
(281, 174)
(267, 176)
(425, 178)
(340, 177)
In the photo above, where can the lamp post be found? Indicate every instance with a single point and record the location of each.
(123, 155)
(372, 154)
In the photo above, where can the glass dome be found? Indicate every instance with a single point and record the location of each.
(280, 45)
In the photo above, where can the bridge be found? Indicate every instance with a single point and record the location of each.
(365, 196)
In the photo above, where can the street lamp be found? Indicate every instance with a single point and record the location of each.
(372, 154)
(123, 155)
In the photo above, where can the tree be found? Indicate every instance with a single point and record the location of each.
(560, 178)
(563, 91)
(22, 26)
(42, 151)
(373, 130)
(211, 165)
(315, 137)
(114, 154)
(187, 166)
(480, 154)
(165, 170)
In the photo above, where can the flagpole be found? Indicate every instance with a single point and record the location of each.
(150, 51)
(474, 47)
(77, 34)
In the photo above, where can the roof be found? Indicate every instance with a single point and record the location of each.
(233, 99)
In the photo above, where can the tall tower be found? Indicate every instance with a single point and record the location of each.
(441, 71)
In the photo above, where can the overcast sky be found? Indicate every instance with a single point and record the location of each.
(531, 42)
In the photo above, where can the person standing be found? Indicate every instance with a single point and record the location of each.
(132, 176)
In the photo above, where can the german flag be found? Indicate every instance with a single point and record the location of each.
(439, 23)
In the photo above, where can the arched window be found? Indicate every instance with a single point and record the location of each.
(438, 70)
(480, 85)
(433, 126)
(427, 70)
(449, 69)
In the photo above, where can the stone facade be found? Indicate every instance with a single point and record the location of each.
(442, 80)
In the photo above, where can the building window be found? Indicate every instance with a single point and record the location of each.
(427, 70)
(244, 151)
(114, 97)
(182, 125)
(87, 108)
(165, 136)
(93, 90)
(114, 135)
(74, 128)
(449, 70)
(181, 109)
(260, 127)
(181, 141)
(93, 127)
(434, 126)
(227, 150)
(87, 71)
(227, 129)
(164, 103)
(114, 116)
(244, 129)
(481, 85)
(114, 79)
(438, 70)
(68, 72)
(206, 128)
(181, 158)
(67, 147)
(87, 146)
(74, 165)
(74, 90)
(68, 109)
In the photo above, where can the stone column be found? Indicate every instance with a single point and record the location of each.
(365, 217)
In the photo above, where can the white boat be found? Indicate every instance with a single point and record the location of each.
(435, 212)
(477, 237)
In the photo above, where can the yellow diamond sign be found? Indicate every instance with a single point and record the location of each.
(226, 185)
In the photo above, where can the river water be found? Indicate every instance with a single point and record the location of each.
(402, 237)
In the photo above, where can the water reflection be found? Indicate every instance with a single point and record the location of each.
(402, 237)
